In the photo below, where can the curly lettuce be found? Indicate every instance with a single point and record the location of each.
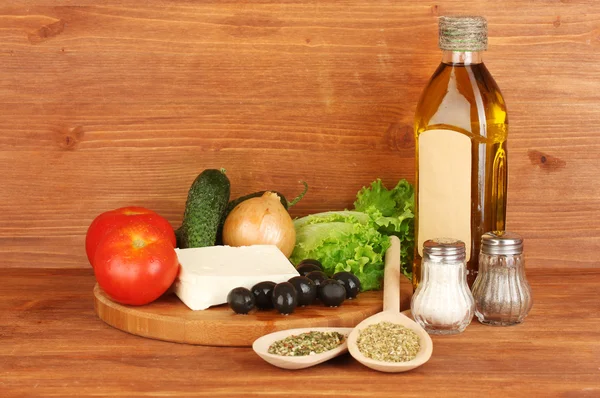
(356, 240)
(393, 211)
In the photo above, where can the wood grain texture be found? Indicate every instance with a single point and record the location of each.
(124, 103)
(169, 319)
(53, 344)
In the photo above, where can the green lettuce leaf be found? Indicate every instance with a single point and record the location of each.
(356, 241)
(393, 211)
(343, 241)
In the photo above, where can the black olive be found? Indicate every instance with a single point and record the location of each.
(332, 293)
(285, 298)
(263, 295)
(350, 283)
(311, 261)
(317, 277)
(304, 269)
(240, 300)
(305, 288)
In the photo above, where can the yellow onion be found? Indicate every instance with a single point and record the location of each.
(260, 221)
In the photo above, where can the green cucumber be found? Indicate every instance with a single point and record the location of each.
(206, 202)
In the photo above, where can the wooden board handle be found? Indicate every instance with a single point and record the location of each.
(391, 278)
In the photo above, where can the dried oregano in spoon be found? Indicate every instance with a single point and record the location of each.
(310, 343)
(389, 342)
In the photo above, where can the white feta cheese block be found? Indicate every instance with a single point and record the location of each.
(208, 274)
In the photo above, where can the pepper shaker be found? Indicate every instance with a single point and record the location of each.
(502, 293)
(443, 303)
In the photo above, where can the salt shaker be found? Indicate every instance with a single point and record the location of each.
(502, 294)
(443, 303)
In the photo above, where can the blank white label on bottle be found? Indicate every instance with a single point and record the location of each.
(444, 187)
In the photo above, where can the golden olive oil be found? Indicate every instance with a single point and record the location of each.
(461, 156)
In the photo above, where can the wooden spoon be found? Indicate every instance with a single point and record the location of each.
(391, 313)
(262, 344)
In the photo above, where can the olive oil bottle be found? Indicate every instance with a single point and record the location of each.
(461, 159)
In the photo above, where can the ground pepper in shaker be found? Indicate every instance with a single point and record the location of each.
(443, 304)
(502, 293)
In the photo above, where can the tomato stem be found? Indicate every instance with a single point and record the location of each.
(138, 243)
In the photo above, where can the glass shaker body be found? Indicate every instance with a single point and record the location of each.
(501, 291)
(443, 303)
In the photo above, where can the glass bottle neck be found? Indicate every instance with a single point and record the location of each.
(462, 57)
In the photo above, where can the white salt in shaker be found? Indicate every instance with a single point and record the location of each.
(443, 303)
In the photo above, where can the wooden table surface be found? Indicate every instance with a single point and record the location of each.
(52, 344)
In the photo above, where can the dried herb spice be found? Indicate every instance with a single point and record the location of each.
(310, 343)
(389, 342)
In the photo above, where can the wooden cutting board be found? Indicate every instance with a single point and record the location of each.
(169, 319)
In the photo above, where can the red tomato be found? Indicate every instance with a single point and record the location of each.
(135, 264)
(110, 220)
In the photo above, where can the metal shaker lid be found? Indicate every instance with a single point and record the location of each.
(444, 249)
(502, 243)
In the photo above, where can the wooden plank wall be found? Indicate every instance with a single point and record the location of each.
(103, 106)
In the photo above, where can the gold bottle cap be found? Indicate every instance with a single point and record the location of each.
(463, 33)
